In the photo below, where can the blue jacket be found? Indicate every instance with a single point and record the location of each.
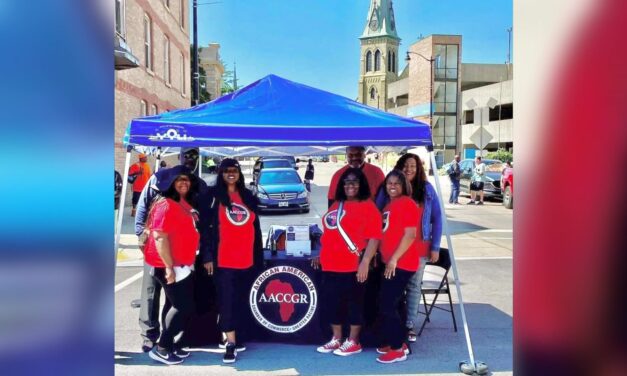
(431, 220)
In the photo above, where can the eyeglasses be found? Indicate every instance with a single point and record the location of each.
(351, 182)
(190, 156)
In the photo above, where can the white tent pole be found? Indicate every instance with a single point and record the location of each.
(199, 164)
(118, 227)
(158, 161)
(453, 262)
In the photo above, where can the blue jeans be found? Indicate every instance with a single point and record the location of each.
(454, 191)
(414, 293)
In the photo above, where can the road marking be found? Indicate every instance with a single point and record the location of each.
(123, 284)
(479, 238)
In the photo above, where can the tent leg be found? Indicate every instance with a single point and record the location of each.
(199, 164)
(474, 366)
(158, 161)
(118, 227)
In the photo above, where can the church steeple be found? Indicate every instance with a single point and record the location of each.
(380, 21)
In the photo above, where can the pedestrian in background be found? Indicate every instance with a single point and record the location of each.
(400, 254)
(309, 174)
(352, 230)
(170, 251)
(454, 172)
(476, 184)
(236, 245)
(138, 174)
(424, 195)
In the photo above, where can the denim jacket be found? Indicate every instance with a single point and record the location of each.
(431, 221)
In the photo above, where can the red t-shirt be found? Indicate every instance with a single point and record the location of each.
(178, 221)
(142, 178)
(399, 214)
(361, 221)
(374, 175)
(237, 235)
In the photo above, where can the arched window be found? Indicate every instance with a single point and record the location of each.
(393, 62)
(368, 61)
(389, 61)
(377, 61)
(373, 93)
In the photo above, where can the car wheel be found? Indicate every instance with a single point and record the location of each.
(305, 211)
(508, 200)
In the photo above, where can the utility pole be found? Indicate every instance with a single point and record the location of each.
(195, 73)
(509, 45)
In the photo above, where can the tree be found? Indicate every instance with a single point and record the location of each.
(203, 94)
(228, 86)
(501, 154)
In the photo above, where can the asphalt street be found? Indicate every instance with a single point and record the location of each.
(482, 242)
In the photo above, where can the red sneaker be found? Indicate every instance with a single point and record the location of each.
(392, 356)
(328, 347)
(349, 347)
(385, 349)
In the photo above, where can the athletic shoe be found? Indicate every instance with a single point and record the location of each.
(147, 345)
(471, 202)
(230, 354)
(479, 202)
(349, 347)
(392, 356)
(330, 346)
(411, 336)
(385, 349)
(238, 346)
(181, 353)
(164, 356)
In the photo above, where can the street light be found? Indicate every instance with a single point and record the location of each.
(195, 73)
(431, 79)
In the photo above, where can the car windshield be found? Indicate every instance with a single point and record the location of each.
(279, 177)
(276, 163)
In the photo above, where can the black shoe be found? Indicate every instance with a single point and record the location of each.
(239, 346)
(479, 202)
(181, 353)
(147, 345)
(230, 354)
(164, 356)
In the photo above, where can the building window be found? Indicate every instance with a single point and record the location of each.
(142, 108)
(393, 62)
(153, 109)
(120, 7)
(446, 61)
(182, 13)
(373, 93)
(148, 41)
(368, 61)
(377, 61)
(182, 64)
(389, 61)
(166, 60)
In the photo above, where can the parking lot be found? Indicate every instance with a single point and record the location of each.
(482, 242)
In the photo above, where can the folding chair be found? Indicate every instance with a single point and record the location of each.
(431, 287)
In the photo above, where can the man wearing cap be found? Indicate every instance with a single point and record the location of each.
(355, 156)
(151, 289)
(142, 173)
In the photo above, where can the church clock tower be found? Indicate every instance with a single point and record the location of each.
(379, 54)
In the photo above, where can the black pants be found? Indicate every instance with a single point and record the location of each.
(341, 292)
(232, 297)
(181, 297)
(135, 198)
(149, 308)
(393, 331)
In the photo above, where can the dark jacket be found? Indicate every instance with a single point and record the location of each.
(212, 223)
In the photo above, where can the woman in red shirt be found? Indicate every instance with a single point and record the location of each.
(170, 251)
(236, 241)
(400, 254)
(351, 225)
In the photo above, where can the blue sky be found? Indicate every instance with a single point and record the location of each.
(315, 42)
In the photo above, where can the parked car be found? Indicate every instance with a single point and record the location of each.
(293, 161)
(262, 163)
(492, 187)
(507, 187)
(280, 189)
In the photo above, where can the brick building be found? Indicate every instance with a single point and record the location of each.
(157, 33)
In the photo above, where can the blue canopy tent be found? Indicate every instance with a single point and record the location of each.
(275, 115)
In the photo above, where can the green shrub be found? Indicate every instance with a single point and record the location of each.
(501, 154)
